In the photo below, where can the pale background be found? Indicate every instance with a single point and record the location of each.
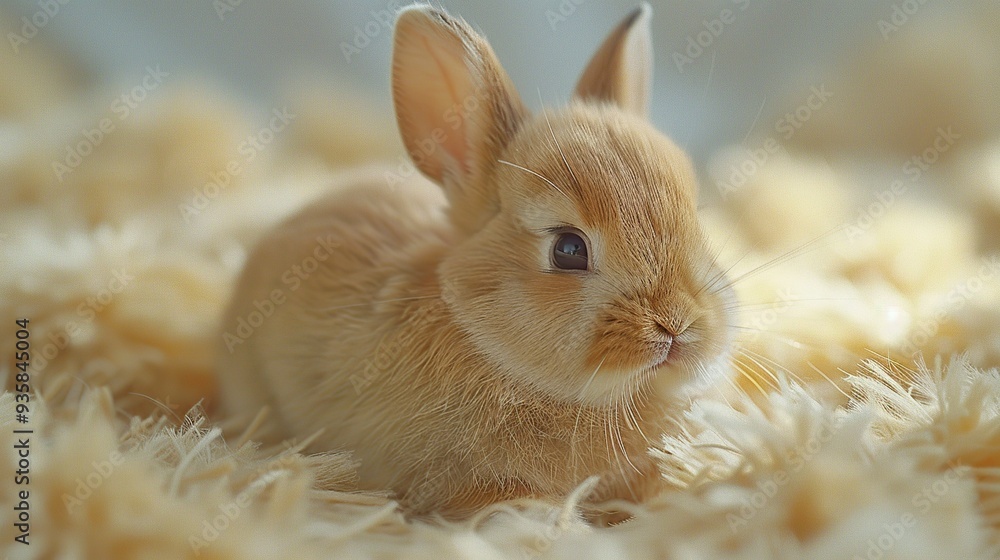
(773, 49)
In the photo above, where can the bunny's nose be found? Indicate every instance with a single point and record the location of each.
(665, 330)
(664, 349)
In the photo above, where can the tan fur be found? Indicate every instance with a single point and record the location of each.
(437, 342)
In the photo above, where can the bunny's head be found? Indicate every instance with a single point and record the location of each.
(579, 265)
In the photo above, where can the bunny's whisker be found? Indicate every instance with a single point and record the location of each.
(536, 174)
(579, 411)
(747, 328)
(777, 302)
(720, 273)
(611, 422)
(739, 366)
(555, 140)
(831, 381)
(723, 274)
(617, 424)
(771, 376)
(732, 383)
(785, 257)
(778, 367)
(634, 416)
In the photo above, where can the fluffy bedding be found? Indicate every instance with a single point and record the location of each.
(862, 420)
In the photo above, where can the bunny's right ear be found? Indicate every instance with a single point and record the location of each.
(455, 106)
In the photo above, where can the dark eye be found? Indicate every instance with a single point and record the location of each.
(570, 251)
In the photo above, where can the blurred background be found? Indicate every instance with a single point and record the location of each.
(725, 69)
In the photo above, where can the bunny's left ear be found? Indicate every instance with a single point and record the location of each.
(621, 72)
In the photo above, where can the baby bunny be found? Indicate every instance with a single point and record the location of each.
(521, 317)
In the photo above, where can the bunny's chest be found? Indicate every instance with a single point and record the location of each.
(546, 443)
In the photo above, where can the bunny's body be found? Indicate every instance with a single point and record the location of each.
(522, 328)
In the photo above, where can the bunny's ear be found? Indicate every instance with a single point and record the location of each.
(621, 72)
(455, 106)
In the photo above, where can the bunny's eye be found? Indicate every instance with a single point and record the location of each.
(570, 251)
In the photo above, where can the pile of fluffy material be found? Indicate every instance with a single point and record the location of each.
(864, 421)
